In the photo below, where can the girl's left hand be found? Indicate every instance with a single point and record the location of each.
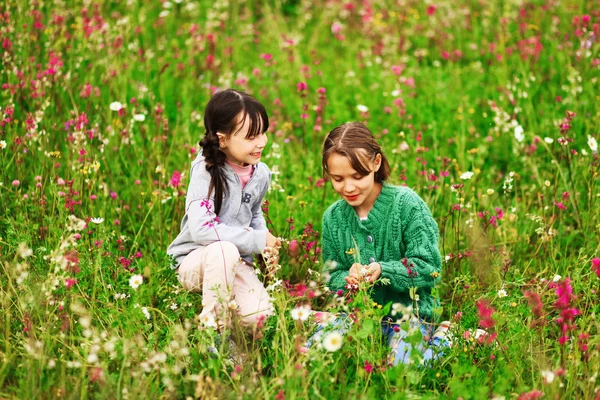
(374, 272)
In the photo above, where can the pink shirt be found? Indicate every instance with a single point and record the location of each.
(244, 173)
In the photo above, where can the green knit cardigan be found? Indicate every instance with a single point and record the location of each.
(399, 230)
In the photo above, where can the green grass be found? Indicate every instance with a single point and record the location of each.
(444, 94)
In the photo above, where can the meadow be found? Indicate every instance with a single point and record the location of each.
(489, 110)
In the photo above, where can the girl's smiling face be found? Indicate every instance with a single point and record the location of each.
(359, 191)
(241, 149)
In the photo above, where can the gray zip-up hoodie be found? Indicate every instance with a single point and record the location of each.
(240, 221)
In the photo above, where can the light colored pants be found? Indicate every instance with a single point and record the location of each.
(218, 272)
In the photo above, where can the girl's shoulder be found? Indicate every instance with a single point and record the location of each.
(402, 195)
(262, 170)
(336, 210)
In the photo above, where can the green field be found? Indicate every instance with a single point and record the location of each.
(489, 110)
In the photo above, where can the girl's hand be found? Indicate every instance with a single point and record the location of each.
(354, 274)
(272, 241)
(374, 272)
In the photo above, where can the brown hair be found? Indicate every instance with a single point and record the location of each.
(356, 142)
(221, 116)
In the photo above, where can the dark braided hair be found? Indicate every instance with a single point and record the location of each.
(226, 113)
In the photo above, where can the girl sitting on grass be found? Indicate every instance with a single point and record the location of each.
(392, 229)
(223, 225)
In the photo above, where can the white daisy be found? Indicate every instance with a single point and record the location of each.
(301, 313)
(593, 144)
(362, 108)
(208, 321)
(135, 281)
(519, 134)
(332, 341)
(502, 293)
(97, 221)
(116, 106)
(467, 175)
(548, 376)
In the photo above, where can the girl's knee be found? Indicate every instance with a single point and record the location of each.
(223, 253)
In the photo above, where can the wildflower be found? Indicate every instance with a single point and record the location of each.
(2, 144)
(139, 117)
(556, 278)
(16, 182)
(116, 106)
(293, 248)
(593, 144)
(97, 221)
(548, 376)
(24, 251)
(519, 133)
(467, 175)
(302, 86)
(362, 108)
(301, 313)
(485, 311)
(564, 292)
(332, 342)
(232, 305)
(146, 312)
(534, 394)
(596, 266)
(502, 293)
(208, 321)
(368, 367)
(175, 179)
(135, 281)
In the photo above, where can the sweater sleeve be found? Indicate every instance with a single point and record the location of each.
(331, 255)
(422, 257)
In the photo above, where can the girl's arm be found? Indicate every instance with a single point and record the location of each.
(258, 219)
(331, 253)
(205, 229)
(422, 264)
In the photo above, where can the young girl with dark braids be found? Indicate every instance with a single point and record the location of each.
(223, 225)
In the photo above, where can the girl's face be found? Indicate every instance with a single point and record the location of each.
(360, 191)
(241, 150)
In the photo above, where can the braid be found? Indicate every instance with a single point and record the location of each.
(215, 160)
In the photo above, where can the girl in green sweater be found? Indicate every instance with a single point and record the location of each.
(392, 227)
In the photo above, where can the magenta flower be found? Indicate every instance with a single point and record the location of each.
(596, 266)
(485, 311)
(302, 86)
(175, 179)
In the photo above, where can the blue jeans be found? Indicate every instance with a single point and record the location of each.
(430, 347)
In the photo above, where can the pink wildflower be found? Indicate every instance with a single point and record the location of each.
(302, 86)
(485, 311)
(596, 266)
(175, 179)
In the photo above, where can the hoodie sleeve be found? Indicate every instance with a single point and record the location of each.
(258, 222)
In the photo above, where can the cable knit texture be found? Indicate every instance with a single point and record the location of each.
(398, 226)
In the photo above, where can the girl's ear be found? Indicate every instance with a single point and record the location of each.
(377, 162)
(222, 140)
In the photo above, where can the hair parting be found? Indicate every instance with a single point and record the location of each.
(355, 141)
